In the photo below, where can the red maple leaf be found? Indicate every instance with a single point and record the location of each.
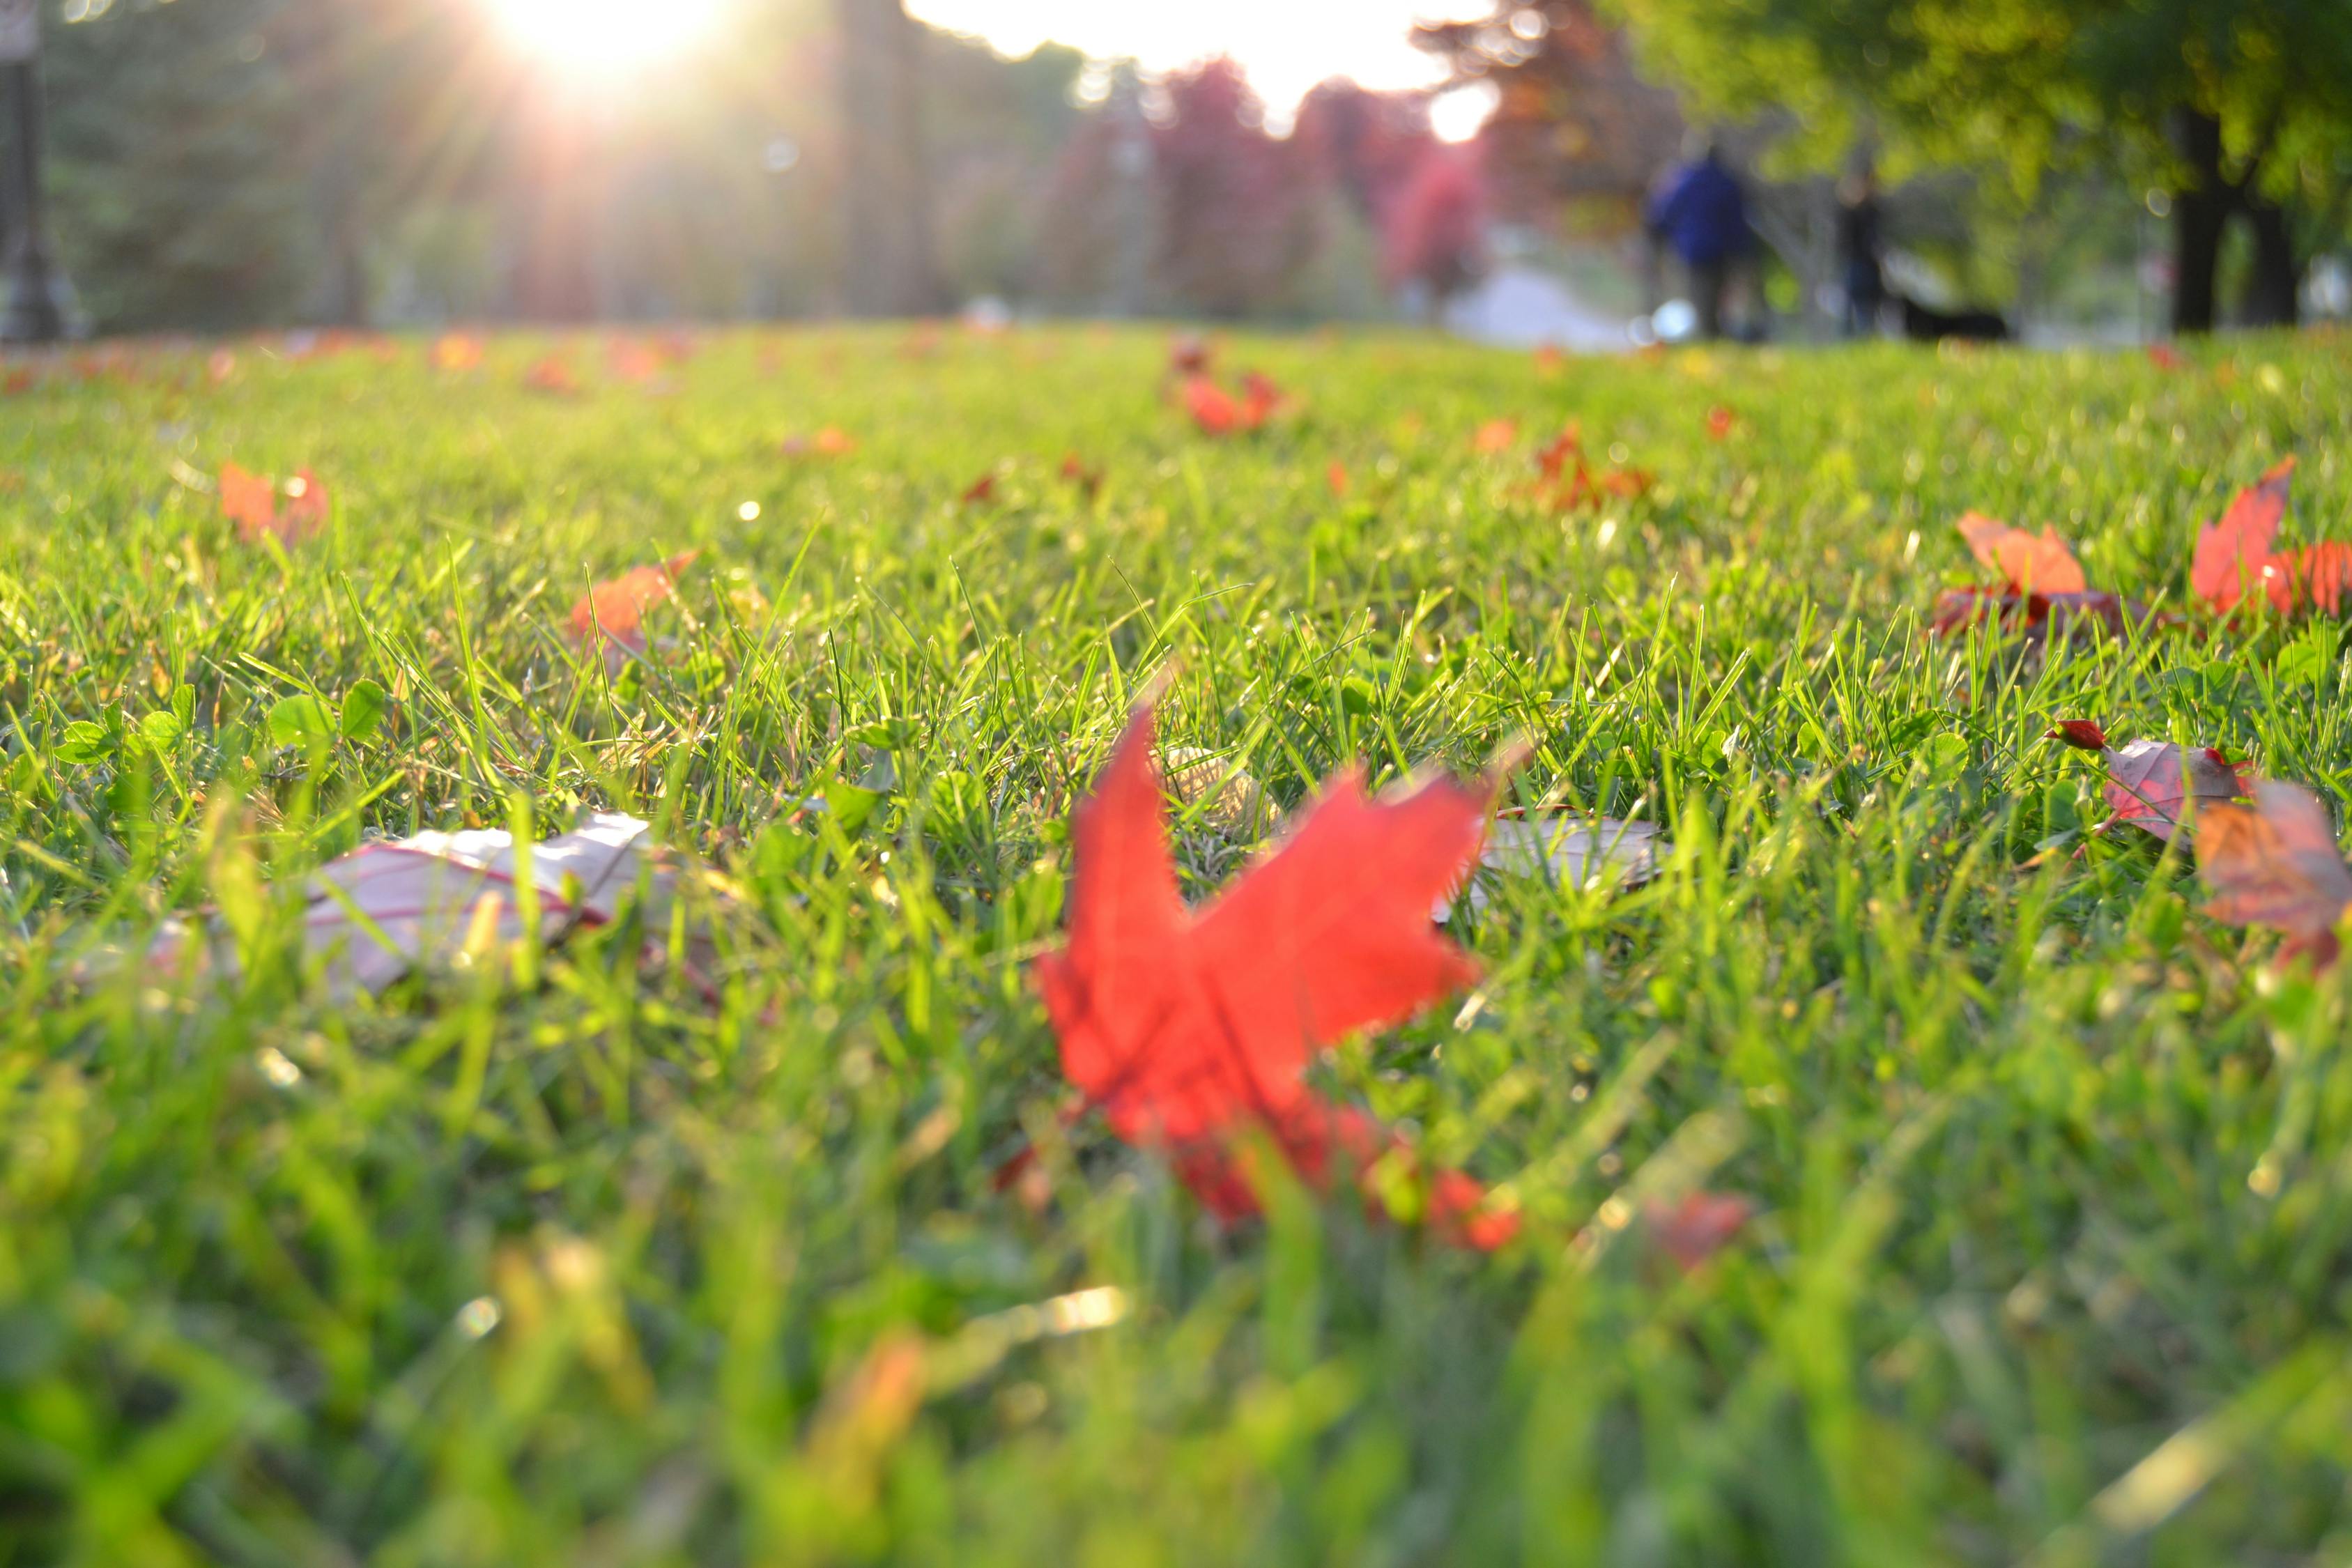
(981, 489)
(1191, 1027)
(2275, 863)
(1720, 423)
(2234, 554)
(618, 607)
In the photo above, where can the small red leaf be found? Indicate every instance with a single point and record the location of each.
(1697, 1227)
(618, 607)
(2080, 732)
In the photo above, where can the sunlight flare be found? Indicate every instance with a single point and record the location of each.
(606, 39)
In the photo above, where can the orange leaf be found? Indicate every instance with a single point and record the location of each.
(1697, 1227)
(1335, 476)
(2235, 553)
(1189, 1027)
(553, 375)
(1720, 423)
(249, 501)
(307, 506)
(1495, 436)
(1211, 406)
(2276, 864)
(457, 351)
(618, 607)
(2033, 563)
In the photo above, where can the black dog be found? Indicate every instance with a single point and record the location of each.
(1924, 325)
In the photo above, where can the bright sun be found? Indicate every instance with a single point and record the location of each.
(607, 39)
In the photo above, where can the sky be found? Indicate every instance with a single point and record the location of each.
(1285, 46)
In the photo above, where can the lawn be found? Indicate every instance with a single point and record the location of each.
(807, 1255)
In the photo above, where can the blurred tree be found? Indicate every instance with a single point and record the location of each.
(892, 267)
(1237, 217)
(1435, 234)
(1425, 201)
(996, 128)
(1575, 128)
(2242, 109)
(181, 196)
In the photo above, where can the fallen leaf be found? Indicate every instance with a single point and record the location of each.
(1495, 436)
(1565, 851)
(248, 500)
(456, 352)
(2165, 357)
(2031, 563)
(553, 375)
(307, 506)
(2234, 554)
(442, 899)
(1720, 423)
(1075, 470)
(983, 489)
(1335, 479)
(220, 367)
(618, 607)
(2276, 864)
(1697, 1226)
(1189, 1028)
(2151, 783)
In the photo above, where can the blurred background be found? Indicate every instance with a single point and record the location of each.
(2068, 170)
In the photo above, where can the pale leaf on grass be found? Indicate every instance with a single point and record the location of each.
(1565, 851)
(441, 900)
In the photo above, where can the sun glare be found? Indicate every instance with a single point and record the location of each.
(607, 39)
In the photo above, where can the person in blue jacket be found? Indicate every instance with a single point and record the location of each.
(1701, 212)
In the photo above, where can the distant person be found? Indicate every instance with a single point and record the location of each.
(1861, 253)
(1701, 211)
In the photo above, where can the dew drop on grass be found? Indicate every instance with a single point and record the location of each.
(478, 1316)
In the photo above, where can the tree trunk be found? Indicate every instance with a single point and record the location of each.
(2200, 210)
(890, 269)
(2274, 293)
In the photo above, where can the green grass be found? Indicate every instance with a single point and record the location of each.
(2055, 1231)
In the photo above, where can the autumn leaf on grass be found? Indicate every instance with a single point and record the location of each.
(618, 607)
(2275, 863)
(248, 500)
(1720, 423)
(456, 352)
(2233, 556)
(1494, 437)
(1335, 479)
(2166, 358)
(1216, 412)
(1696, 1226)
(1566, 850)
(554, 376)
(442, 899)
(1192, 1029)
(982, 490)
(1076, 472)
(307, 506)
(2043, 592)
(2029, 562)
(1566, 482)
(2150, 784)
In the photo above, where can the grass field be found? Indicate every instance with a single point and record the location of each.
(570, 1264)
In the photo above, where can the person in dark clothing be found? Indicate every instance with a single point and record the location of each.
(1701, 212)
(1861, 258)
